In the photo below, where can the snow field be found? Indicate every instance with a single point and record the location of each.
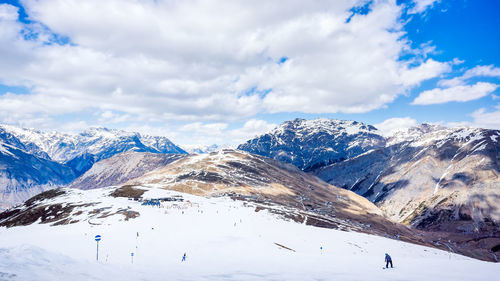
(223, 240)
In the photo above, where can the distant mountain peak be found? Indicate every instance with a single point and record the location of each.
(309, 144)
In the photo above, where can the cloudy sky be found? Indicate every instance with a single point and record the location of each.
(214, 71)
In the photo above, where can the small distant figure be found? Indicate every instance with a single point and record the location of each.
(137, 234)
(184, 257)
(388, 260)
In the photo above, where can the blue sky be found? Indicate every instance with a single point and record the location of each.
(206, 72)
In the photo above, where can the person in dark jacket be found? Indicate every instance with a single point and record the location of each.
(388, 260)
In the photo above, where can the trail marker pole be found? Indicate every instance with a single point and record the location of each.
(132, 257)
(97, 239)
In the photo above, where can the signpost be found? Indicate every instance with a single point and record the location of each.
(97, 239)
(132, 257)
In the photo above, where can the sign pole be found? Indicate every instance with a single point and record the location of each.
(97, 239)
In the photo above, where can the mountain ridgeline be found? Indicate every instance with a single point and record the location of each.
(311, 144)
(32, 161)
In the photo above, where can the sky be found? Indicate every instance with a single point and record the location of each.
(203, 72)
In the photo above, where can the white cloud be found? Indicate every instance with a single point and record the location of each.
(477, 71)
(422, 5)
(392, 125)
(484, 119)
(198, 133)
(429, 69)
(459, 93)
(8, 12)
(161, 61)
(452, 82)
(457, 61)
(482, 71)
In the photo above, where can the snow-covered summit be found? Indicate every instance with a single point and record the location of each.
(309, 144)
(202, 149)
(99, 141)
(425, 134)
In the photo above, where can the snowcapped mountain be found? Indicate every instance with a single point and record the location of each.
(100, 142)
(201, 149)
(37, 160)
(436, 164)
(82, 150)
(310, 144)
(23, 175)
(445, 180)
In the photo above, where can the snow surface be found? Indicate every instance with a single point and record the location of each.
(223, 240)
(4, 149)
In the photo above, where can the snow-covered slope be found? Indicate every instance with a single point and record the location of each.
(310, 144)
(243, 175)
(238, 174)
(223, 240)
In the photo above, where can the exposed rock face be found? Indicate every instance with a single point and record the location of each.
(121, 168)
(439, 168)
(310, 144)
(23, 175)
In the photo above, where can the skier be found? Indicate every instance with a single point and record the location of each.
(388, 260)
(184, 257)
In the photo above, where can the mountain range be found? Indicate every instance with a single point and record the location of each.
(32, 161)
(427, 184)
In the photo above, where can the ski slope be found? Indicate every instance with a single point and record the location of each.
(223, 240)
